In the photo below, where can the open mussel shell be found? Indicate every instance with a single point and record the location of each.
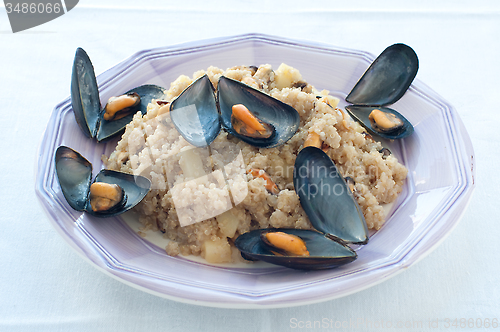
(332, 210)
(387, 78)
(362, 113)
(75, 176)
(324, 252)
(135, 188)
(86, 104)
(74, 173)
(282, 117)
(84, 94)
(326, 198)
(148, 92)
(194, 113)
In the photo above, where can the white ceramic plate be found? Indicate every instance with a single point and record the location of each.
(439, 157)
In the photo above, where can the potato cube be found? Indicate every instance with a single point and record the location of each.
(191, 163)
(216, 251)
(228, 223)
(285, 76)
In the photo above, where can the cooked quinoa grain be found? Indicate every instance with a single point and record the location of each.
(238, 202)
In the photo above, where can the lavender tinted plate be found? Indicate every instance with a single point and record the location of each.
(439, 157)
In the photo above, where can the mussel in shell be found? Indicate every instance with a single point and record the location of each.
(332, 210)
(118, 112)
(324, 253)
(384, 82)
(285, 244)
(110, 194)
(398, 128)
(245, 123)
(281, 121)
(247, 113)
(121, 106)
(106, 197)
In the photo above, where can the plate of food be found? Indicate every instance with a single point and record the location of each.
(248, 171)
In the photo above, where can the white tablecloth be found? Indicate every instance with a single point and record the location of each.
(45, 286)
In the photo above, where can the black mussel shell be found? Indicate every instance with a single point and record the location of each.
(75, 176)
(284, 118)
(135, 188)
(361, 113)
(84, 94)
(324, 252)
(74, 173)
(326, 198)
(86, 103)
(385, 152)
(194, 113)
(387, 78)
(148, 92)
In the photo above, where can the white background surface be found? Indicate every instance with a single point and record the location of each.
(45, 286)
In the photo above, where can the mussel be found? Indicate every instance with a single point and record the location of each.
(270, 185)
(285, 244)
(110, 194)
(398, 128)
(323, 252)
(384, 83)
(118, 112)
(281, 120)
(247, 113)
(106, 197)
(121, 106)
(246, 124)
(332, 210)
(194, 113)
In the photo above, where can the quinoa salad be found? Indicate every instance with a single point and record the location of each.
(202, 199)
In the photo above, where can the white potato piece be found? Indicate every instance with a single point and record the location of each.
(191, 163)
(285, 76)
(228, 223)
(216, 251)
(332, 101)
